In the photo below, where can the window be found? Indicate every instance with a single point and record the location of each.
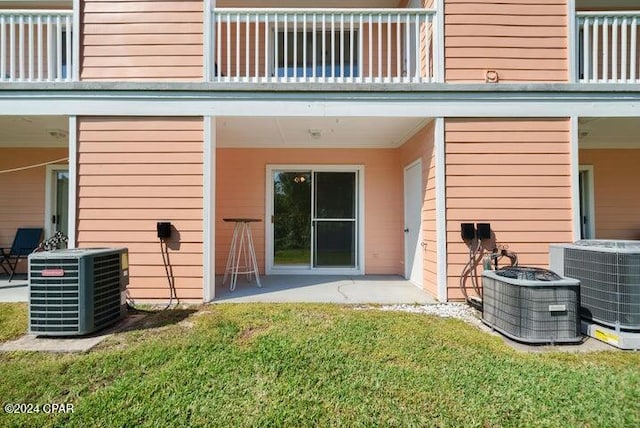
(311, 54)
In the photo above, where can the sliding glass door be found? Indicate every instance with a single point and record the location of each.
(315, 219)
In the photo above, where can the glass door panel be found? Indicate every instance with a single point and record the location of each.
(335, 244)
(335, 219)
(62, 202)
(292, 218)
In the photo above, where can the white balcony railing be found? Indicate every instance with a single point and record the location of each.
(608, 46)
(35, 45)
(322, 45)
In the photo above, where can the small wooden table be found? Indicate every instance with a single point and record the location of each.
(241, 249)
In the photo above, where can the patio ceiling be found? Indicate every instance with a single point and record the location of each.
(316, 132)
(34, 131)
(609, 132)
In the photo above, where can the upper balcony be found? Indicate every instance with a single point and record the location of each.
(608, 43)
(324, 45)
(275, 46)
(36, 45)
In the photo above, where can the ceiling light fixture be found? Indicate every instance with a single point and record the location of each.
(315, 133)
(58, 133)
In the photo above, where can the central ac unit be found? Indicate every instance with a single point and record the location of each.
(531, 305)
(609, 274)
(76, 291)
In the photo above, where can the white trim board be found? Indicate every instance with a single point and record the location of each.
(441, 210)
(268, 226)
(98, 105)
(73, 180)
(209, 211)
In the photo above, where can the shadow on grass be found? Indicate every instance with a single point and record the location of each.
(156, 318)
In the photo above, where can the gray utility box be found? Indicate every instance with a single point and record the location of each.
(77, 291)
(532, 305)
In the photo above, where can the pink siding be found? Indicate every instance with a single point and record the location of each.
(523, 40)
(421, 146)
(615, 182)
(132, 173)
(142, 40)
(242, 195)
(514, 174)
(22, 200)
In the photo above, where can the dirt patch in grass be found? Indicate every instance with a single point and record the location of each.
(247, 335)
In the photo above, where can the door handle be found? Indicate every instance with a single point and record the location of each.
(406, 230)
(423, 244)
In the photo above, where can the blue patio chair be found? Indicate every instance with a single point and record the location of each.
(25, 241)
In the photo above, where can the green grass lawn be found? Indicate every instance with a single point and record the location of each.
(318, 365)
(13, 320)
(292, 257)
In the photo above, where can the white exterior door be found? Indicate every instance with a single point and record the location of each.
(413, 245)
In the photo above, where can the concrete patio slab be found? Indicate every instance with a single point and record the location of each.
(15, 291)
(375, 289)
(31, 342)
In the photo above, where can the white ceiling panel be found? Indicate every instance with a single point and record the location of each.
(316, 132)
(609, 132)
(34, 131)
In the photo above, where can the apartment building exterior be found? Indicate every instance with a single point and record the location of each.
(362, 133)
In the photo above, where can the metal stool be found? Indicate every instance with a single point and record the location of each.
(241, 249)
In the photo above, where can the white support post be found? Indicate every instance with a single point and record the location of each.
(209, 212)
(624, 51)
(21, 47)
(438, 38)
(575, 176)
(634, 47)
(573, 37)
(441, 211)
(247, 53)
(209, 41)
(3, 43)
(74, 67)
(73, 181)
(594, 51)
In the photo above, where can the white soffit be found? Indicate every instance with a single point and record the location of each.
(316, 132)
(34, 131)
(609, 132)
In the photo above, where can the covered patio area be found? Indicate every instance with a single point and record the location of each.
(341, 289)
